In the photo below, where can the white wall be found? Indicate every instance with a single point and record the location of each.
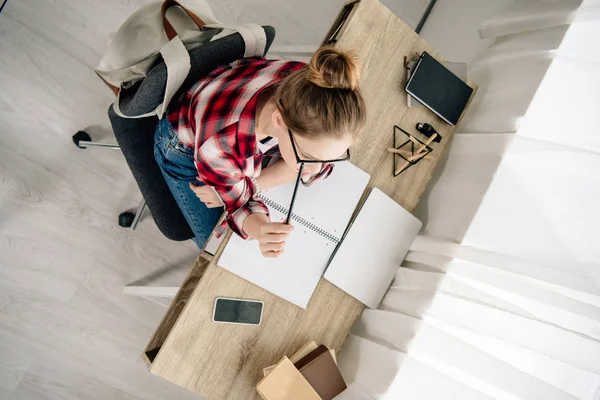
(452, 27)
(532, 189)
(303, 22)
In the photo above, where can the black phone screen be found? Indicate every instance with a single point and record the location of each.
(238, 311)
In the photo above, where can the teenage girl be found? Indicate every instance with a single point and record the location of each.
(213, 143)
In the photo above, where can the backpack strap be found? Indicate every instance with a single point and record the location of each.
(253, 34)
(169, 30)
(177, 58)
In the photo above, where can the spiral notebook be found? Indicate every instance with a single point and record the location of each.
(321, 214)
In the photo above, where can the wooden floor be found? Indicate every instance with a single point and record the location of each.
(66, 331)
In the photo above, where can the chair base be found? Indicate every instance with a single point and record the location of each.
(83, 140)
(127, 219)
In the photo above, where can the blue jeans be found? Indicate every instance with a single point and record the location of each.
(176, 162)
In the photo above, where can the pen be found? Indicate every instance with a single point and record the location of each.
(289, 216)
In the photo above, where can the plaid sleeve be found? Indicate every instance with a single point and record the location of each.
(326, 170)
(236, 219)
(219, 166)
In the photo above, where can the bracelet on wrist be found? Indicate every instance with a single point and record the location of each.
(256, 186)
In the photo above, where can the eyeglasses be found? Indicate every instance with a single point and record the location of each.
(299, 160)
(313, 161)
(302, 162)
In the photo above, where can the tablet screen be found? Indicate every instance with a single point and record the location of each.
(439, 89)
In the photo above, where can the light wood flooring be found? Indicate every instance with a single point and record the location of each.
(66, 331)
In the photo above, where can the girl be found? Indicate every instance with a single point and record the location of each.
(212, 146)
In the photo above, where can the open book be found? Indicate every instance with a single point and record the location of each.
(366, 253)
(375, 245)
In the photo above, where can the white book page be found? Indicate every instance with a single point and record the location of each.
(373, 249)
(327, 204)
(294, 276)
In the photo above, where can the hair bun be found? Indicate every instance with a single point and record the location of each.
(333, 69)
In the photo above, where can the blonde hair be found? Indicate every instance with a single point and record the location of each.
(323, 98)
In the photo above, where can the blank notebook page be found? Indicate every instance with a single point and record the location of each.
(321, 213)
(373, 249)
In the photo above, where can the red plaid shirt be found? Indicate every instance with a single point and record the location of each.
(216, 117)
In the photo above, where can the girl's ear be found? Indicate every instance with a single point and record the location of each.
(277, 119)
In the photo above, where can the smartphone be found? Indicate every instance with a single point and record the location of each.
(237, 311)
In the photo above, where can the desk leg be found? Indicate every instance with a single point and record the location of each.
(140, 287)
(151, 291)
(177, 305)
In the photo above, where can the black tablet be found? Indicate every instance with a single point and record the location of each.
(438, 89)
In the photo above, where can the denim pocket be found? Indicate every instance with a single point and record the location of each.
(177, 146)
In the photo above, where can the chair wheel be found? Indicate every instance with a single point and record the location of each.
(79, 136)
(126, 219)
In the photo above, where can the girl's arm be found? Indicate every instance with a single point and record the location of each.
(275, 175)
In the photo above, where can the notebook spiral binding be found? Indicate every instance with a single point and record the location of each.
(307, 224)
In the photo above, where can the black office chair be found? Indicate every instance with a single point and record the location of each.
(135, 137)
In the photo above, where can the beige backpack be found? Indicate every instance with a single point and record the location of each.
(170, 30)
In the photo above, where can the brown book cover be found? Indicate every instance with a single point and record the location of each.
(286, 383)
(321, 371)
(307, 348)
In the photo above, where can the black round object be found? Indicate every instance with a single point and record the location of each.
(426, 129)
(126, 219)
(79, 136)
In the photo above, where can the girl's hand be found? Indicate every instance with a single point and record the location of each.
(207, 195)
(271, 236)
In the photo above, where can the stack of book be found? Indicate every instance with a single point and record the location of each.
(310, 374)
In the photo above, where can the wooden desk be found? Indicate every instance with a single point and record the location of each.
(223, 361)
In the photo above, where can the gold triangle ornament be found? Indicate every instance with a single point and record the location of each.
(407, 150)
